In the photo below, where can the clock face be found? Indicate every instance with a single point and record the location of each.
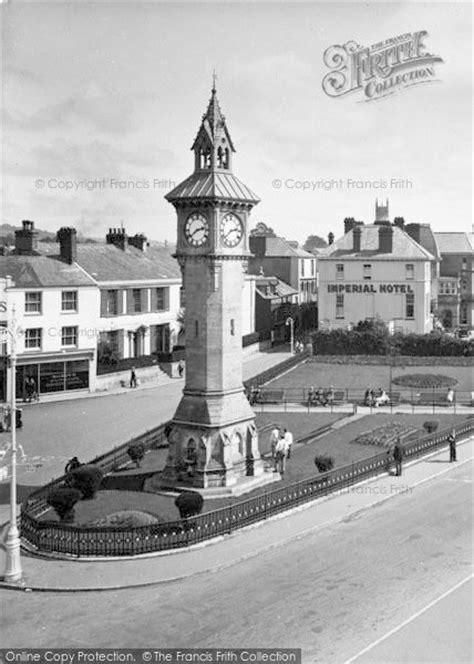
(196, 230)
(231, 230)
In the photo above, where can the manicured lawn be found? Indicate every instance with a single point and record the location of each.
(336, 443)
(359, 376)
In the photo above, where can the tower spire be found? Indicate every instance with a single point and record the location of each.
(213, 145)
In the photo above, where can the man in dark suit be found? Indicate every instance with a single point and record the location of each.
(452, 446)
(398, 457)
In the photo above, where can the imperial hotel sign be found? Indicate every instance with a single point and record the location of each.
(378, 270)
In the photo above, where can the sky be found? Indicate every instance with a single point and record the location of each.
(102, 102)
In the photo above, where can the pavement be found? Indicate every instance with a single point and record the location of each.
(74, 575)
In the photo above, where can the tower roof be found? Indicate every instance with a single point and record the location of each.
(212, 185)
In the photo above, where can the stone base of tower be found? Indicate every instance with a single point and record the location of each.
(213, 442)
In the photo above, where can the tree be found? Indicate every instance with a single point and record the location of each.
(136, 452)
(107, 352)
(314, 242)
(87, 479)
(62, 500)
(262, 230)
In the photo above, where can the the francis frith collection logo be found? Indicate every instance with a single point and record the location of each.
(381, 69)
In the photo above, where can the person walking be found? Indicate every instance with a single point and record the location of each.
(274, 438)
(288, 436)
(133, 377)
(452, 446)
(450, 396)
(280, 456)
(181, 368)
(398, 457)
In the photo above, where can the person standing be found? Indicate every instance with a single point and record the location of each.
(274, 438)
(33, 390)
(133, 377)
(452, 446)
(398, 457)
(450, 396)
(288, 436)
(181, 368)
(280, 456)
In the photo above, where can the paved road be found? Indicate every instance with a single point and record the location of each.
(447, 622)
(332, 593)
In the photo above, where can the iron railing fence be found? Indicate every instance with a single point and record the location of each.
(48, 536)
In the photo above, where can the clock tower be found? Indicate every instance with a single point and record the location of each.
(213, 433)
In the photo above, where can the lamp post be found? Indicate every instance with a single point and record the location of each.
(291, 323)
(13, 571)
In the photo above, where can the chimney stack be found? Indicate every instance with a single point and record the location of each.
(117, 237)
(349, 223)
(356, 235)
(67, 239)
(138, 241)
(385, 239)
(26, 239)
(330, 238)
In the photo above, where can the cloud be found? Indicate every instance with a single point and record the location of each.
(96, 108)
(92, 159)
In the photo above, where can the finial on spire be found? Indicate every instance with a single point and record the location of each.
(214, 81)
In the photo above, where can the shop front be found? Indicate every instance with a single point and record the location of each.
(52, 375)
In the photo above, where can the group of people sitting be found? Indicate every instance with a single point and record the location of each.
(320, 397)
(253, 394)
(374, 400)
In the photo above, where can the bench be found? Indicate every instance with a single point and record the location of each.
(338, 398)
(270, 396)
(430, 399)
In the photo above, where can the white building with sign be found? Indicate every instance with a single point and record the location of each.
(373, 271)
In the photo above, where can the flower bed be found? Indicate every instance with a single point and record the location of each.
(385, 435)
(425, 381)
(124, 519)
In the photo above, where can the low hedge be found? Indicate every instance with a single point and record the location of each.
(379, 342)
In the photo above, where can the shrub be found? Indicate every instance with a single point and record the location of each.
(136, 452)
(62, 500)
(324, 463)
(189, 503)
(87, 479)
(430, 426)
